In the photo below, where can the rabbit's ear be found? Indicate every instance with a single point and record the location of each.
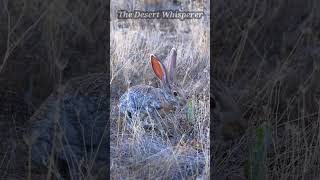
(159, 69)
(172, 61)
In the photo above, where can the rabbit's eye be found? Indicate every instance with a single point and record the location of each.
(175, 93)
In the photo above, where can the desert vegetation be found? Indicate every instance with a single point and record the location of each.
(266, 56)
(43, 44)
(182, 151)
(48, 52)
(264, 85)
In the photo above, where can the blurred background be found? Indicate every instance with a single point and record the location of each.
(43, 44)
(266, 66)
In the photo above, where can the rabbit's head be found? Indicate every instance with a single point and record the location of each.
(172, 93)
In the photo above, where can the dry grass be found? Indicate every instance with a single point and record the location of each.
(42, 45)
(182, 151)
(267, 55)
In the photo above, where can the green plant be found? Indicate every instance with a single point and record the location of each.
(256, 168)
(190, 111)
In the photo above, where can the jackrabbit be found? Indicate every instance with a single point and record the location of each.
(69, 127)
(143, 100)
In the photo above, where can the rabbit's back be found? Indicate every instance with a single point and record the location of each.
(140, 99)
(72, 122)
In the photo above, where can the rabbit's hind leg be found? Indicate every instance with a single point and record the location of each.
(134, 119)
(148, 120)
(128, 120)
(154, 122)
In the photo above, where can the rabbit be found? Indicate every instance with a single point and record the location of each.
(70, 126)
(143, 100)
